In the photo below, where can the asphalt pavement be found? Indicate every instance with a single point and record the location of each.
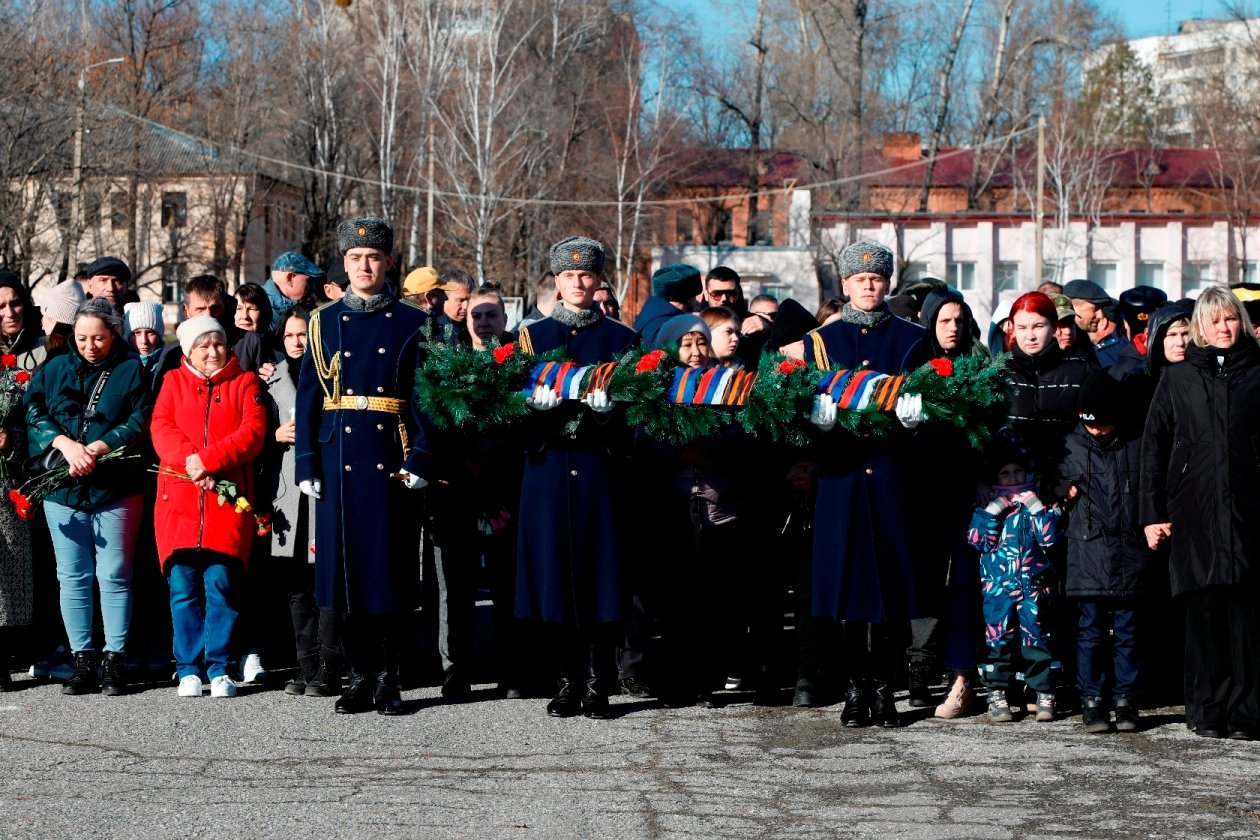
(265, 764)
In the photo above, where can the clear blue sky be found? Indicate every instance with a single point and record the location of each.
(1139, 18)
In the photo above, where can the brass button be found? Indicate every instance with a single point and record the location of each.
(347, 430)
(350, 391)
(380, 389)
(347, 354)
(389, 314)
(865, 330)
(380, 466)
(870, 471)
(866, 363)
(347, 468)
(345, 317)
(572, 472)
(380, 350)
(380, 427)
(575, 332)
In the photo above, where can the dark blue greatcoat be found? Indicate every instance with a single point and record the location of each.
(862, 554)
(569, 568)
(366, 523)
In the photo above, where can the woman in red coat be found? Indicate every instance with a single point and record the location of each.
(209, 424)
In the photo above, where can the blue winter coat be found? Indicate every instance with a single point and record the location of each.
(863, 569)
(366, 521)
(569, 563)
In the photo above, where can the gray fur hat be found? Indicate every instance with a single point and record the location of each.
(365, 232)
(866, 255)
(577, 253)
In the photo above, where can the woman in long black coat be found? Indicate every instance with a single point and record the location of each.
(1201, 492)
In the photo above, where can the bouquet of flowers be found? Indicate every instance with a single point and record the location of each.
(37, 487)
(227, 491)
(13, 384)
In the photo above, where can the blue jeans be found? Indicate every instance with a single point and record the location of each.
(1098, 657)
(98, 544)
(205, 609)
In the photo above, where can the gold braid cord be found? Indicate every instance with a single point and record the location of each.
(327, 371)
(820, 351)
(527, 344)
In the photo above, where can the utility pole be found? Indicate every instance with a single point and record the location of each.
(76, 211)
(1040, 216)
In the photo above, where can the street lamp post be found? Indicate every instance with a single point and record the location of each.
(76, 212)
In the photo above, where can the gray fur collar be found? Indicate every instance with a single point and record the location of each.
(872, 319)
(575, 320)
(372, 304)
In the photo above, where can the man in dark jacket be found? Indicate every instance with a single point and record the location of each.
(674, 288)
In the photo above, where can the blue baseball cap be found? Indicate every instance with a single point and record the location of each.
(297, 263)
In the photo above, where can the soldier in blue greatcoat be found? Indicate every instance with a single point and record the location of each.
(862, 571)
(569, 571)
(360, 448)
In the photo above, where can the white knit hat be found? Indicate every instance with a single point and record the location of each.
(193, 329)
(63, 301)
(143, 316)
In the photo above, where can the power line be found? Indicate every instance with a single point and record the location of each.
(229, 149)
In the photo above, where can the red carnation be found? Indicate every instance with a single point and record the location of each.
(8, 360)
(650, 361)
(263, 521)
(501, 353)
(788, 365)
(23, 376)
(942, 366)
(22, 504)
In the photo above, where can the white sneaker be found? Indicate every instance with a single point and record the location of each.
(190, 686)
(252, 670)
(222, 686)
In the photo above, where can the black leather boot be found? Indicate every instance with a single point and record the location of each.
(857, 705)
(326, 681)
(568, 699)
(83, 680)
(922, 675)
(308, 667)
(357, 697)
(385, 695)
(884, 706)
(113, 674)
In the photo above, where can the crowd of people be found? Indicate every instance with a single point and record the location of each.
(1093, 558)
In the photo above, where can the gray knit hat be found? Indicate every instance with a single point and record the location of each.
(143, 315)
(866, 256)
(365, 232)
(99, 308)
(577, 253)
(63, 301)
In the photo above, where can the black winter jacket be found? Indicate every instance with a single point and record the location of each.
(1043, 408)
(1107, 555)
(1201, 465)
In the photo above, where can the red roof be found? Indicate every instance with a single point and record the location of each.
(728, 168)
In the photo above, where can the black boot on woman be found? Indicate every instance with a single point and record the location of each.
(83, 680)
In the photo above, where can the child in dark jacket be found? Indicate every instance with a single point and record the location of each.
(1016, 577)
(1108, 562)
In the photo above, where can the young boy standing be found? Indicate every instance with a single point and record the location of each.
(1108, 561)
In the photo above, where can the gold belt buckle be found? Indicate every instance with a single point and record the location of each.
(361, 403)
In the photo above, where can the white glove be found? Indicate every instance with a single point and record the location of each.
(598, 401)
(910, 410)
(413, 481)
(824, 413)
(544, 399)
(311, 487)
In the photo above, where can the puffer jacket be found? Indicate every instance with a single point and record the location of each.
(1107, 556)
(1043, 409)
(1201, 465)
(222, 419)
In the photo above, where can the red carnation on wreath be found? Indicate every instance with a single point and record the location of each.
(501, 353)
(263, 524)
(650, 361)
(8, 360)
(943, 366)
(23, 376)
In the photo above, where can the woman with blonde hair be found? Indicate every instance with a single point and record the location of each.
(1200, 493)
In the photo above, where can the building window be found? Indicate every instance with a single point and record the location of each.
(1249, 272)
(720, 227)
(119, 211)
(684, 227)
(91, 209)
(1195, 277)
(173, 277)
(765, 228)
(1104, 274)
(1150, 274)
(961, 276)
(776, 291)
(1005, 277)
(174, 209)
